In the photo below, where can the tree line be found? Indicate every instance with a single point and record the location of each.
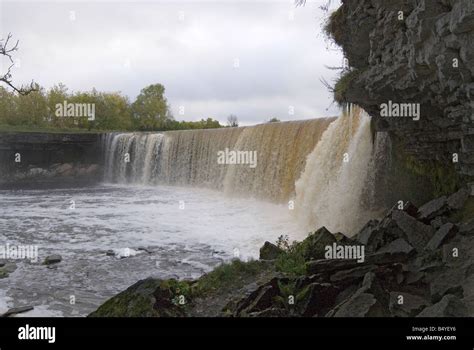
(43, 108)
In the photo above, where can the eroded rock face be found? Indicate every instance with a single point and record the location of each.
(423, 55)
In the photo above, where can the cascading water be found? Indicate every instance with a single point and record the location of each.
(330, 190)
(322, 164)
(190, 158)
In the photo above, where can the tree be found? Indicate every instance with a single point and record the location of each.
(274, 120)
(150, 109)
(7, 50)
(232, 121)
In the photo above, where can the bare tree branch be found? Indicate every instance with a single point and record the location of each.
(7, 51)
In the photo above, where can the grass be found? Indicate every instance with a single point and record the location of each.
(334, 27)
(342, 85)
(226, 275)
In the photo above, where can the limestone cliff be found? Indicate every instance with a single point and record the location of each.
(413, 51)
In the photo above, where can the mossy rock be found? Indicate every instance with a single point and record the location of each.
(146, 298)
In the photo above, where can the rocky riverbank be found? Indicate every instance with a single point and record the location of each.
(412, 262)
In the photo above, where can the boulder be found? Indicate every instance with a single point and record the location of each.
(366, 234)
(269, 251)
(398, 246)
(457, 200)
(447, 282)
(52, 259)
(314, 246)
(406, 305)
(17, 310)
(360, 305)
(417, 233)
(445, 232)
(448, 306)
(433, 208)
(317, 299)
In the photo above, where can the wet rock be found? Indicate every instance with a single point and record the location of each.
(3, 273)
(144, 249)
(269, 251)
(406, 305)
(17, 310)
(9, 267)
(448, 306)
(52, 259)
(457, 200)
(417, 233)
(146, 298)
(2, 262)
(110, 252)
(436, 207)
(445, 232)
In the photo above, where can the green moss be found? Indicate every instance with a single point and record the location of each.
(343, 84)
(135, 301)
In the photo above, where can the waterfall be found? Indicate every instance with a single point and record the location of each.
(190, 158)
(322, 165)
(330, 190)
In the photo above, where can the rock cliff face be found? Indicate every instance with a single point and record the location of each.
(417, 51)
(42, 159)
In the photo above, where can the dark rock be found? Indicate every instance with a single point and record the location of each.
(146, 298)
(437, 222)
(269, 251)
(259, 299)
(411, 209)
(444, 233)
(447, 282)
(314, 246)
(410, 304)
(328, 266)
(271, 312)
(350, 276)
(397, 246)
(448, 306)
(3, 273)
(457, 200)
(17, 310)
(144, 249)
(417, 233)
(433, 208)
(360, 305)
(318, 298)
(414, 277)
(52, 259)
(365, 235)
(110, 252)
(467, 228)
(2, 262)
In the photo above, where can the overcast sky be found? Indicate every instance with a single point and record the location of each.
(253, 59)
